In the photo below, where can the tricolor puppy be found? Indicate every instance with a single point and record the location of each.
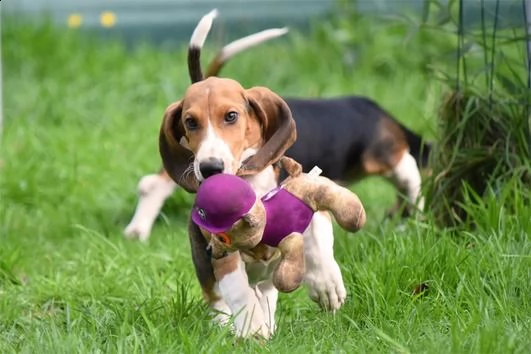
(220, 127)
(154, 189)
(350, 138)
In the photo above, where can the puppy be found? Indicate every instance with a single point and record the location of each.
(220, 127)
(154, 189)
(350, 138)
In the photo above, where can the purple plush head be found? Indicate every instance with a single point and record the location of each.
(221, 200)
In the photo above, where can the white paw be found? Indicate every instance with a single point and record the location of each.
(138, 230)
(242, 326)
(256, 328)
(250, 321)
(221, 313)
(325, 286)
(152, 192)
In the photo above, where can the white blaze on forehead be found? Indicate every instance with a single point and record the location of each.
(213, 147)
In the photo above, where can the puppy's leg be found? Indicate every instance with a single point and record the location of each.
(406, 177)
(268, 296)
(241, 299)
(323, 276)
(220, 309)
(205, 275)
(153, 190)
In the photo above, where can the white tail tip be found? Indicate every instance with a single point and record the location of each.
(201, 30)
(244, 43)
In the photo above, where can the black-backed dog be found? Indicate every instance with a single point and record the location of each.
(349, 138)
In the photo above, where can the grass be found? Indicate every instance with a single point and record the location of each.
(81, 126)
(483, 122)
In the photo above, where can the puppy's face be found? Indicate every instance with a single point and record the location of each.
(219, 126)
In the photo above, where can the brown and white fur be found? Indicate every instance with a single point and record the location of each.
(349, 138)
(217, 127)
(154, 189)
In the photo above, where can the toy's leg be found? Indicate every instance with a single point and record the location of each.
(153, 190)
(323, 276)
(241, 299)
(290, 270)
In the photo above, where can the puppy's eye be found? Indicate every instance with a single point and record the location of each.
(191, 123)
(231, 117)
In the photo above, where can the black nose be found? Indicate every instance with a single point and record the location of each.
(210, 167)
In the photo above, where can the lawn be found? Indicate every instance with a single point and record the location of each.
(81, 127)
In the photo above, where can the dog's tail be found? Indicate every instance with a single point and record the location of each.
(240, 45)
(198, 39)
(196, 43)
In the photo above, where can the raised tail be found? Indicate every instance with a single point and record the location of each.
(198, 40)
(196, 43)
(240, 45)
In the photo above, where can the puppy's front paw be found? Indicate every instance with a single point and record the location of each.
(255, 327)
(138, 230)
(325, 285)
(152, 192)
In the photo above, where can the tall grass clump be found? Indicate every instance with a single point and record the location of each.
(484, 140)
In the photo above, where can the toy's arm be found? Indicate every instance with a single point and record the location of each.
(292, 167)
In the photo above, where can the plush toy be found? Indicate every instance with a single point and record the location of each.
(227, 207)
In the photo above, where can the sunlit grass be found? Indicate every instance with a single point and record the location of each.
(82, 118)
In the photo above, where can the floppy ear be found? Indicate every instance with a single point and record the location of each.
(278, 129)
(176, 159)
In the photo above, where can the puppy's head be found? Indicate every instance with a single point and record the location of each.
(213, 128)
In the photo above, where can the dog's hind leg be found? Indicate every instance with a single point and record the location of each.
(388, 155)
(323, 276)
(153, 190)
(406, 177)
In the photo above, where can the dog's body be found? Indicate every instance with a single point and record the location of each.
(219, 127)
(358, 139)
(349, 138)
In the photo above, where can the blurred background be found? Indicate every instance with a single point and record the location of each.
(85, 84)
(173, 20)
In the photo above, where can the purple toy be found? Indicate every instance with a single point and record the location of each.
(234, 219)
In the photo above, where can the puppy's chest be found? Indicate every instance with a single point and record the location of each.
(260, 262)
(263, 182)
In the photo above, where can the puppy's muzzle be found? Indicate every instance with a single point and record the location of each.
(211, 166)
